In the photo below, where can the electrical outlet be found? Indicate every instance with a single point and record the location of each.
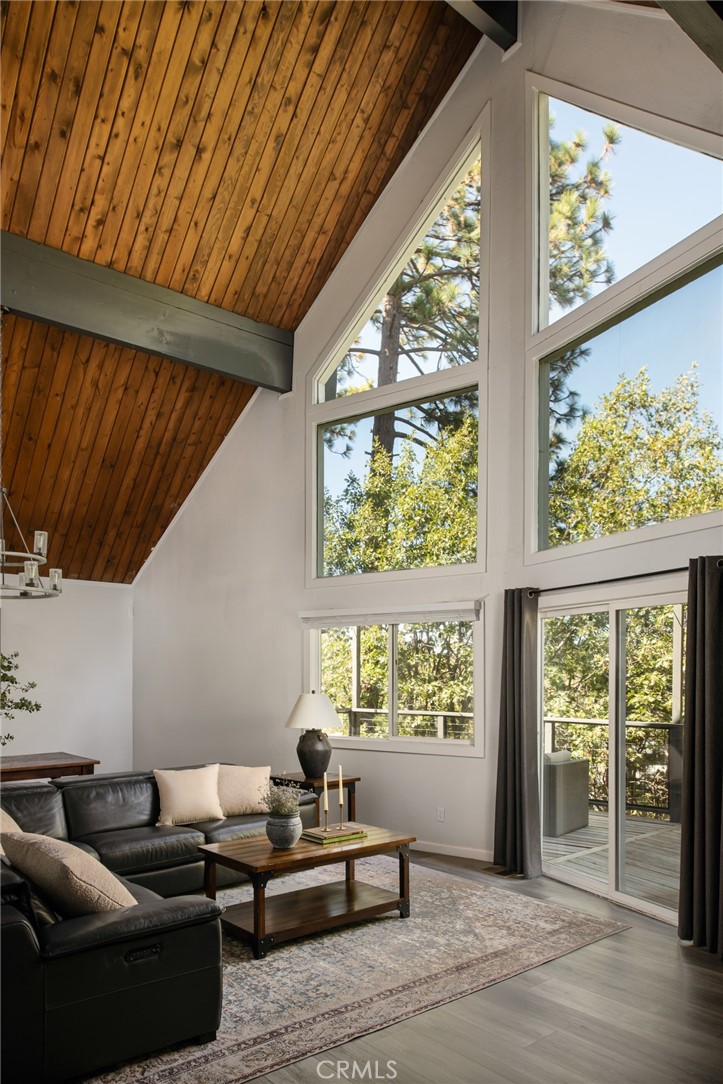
(440, 812)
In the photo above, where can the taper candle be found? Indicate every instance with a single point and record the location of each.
(341, 788)
(326, 796)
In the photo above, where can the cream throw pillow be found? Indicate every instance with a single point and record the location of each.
(188, 795)
(75, 883)
(240, 789)
(7, 824)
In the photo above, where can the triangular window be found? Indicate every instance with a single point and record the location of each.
(612, 198)
(428, 317)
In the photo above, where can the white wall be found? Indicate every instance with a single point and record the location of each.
(218, 651)
(77, 648)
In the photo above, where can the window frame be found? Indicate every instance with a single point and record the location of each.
(608, 308)
(413, 389)
(474, 748)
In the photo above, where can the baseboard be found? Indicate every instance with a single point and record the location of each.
(454, 852)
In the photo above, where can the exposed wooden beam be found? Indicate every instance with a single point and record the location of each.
(497, 18)
(59, 289)
(702, 22)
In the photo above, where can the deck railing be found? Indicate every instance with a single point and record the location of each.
(653, 761)
(373, 723)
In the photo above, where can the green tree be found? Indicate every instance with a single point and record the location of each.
(13, 693)
(414, 510)
(639, 458)
(579, 222)
(579, 219)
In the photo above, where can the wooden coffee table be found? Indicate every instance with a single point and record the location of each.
(265, 922)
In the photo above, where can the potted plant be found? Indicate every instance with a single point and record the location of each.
(13, 694)
(283, 826)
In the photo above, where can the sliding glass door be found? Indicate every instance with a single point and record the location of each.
(612, 748)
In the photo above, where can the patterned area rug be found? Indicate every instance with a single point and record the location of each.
(314, 994)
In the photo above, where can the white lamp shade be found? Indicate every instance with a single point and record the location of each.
(313, 711)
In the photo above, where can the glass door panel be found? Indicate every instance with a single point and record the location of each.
(574, 781)
(650, 752)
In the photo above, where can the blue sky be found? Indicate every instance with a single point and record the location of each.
(661, 193)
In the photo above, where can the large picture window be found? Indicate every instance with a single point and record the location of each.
(396, 418)
(409, 680)
(634, 419)
(400, 488)
(630, 418)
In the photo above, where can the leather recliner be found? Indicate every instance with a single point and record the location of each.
(83, 993)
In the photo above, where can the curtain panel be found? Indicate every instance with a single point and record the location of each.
(700, 911)
(517, 803)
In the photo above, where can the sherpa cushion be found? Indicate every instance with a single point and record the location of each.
(75, 883)
(188, 795)
(240, 789)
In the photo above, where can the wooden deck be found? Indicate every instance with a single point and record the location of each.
(651, 858)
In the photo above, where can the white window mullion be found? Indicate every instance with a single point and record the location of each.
(392, 689)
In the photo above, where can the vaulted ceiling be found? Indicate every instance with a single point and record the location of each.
(227, 151)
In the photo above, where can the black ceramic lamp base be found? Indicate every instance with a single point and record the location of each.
(314, 753)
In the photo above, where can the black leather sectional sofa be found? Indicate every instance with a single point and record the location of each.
(114, 818)
(80, 994)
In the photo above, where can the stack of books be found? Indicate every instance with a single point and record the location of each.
(335, 834)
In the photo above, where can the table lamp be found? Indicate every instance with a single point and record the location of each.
(311, 713)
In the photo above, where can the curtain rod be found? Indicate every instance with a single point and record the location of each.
(602, 583)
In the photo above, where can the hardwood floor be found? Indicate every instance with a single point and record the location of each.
(636, 1008)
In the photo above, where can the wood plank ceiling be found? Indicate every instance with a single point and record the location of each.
(226, 150)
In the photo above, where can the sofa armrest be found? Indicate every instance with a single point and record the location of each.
(129, 923)
(23, 1000)
(17, 929)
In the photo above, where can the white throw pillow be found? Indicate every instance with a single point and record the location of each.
(560, 756)
(7, 824)
(188, 795)
(75, 882)
(240, 789)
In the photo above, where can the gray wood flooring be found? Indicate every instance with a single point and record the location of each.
(636, 1008)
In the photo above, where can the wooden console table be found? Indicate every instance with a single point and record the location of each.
(44, 766)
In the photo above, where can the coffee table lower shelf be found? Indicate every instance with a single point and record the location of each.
(310, 910)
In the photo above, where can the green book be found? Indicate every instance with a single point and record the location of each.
(348, 832)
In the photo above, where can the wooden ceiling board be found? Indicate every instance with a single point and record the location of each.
(285, 164)
(274, 157)
(272, 105)
(171, 198)
(105, 443)
(226, 150)
(391, 110)
(356, 140)
(220, 153)
(301, 193)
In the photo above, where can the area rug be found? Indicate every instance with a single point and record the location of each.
(314, 994)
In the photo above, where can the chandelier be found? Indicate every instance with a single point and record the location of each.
(23, 565)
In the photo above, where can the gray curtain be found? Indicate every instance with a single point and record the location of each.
(517, 805)
(700, 911)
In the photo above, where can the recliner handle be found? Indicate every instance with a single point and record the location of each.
(147, 953)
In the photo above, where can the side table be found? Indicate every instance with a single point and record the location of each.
(317, 786)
